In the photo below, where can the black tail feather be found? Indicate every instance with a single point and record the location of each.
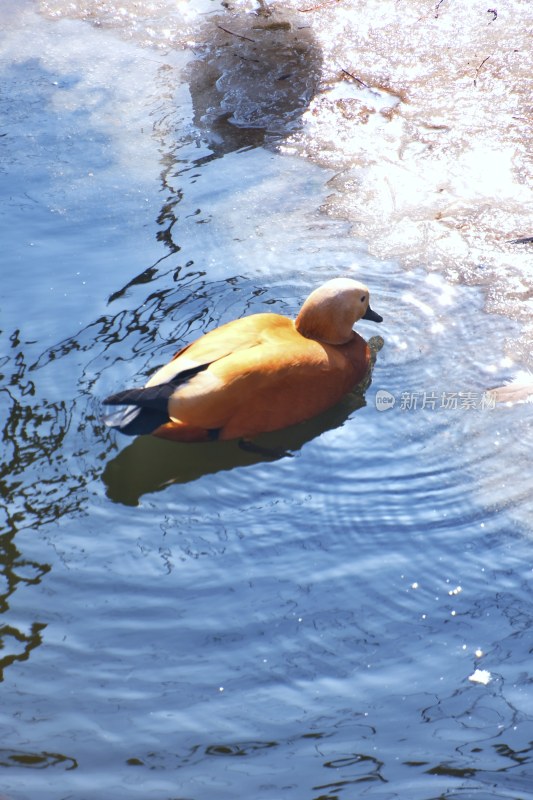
(151, 397)
(147, 408)
(135, 421)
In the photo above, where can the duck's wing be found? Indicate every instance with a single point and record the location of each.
(147, 407)
(233, 337)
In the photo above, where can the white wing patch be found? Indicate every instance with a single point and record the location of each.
(170, 370)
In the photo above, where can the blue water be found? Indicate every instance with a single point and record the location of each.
(197, 622)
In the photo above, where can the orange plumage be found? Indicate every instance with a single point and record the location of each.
(256, 374)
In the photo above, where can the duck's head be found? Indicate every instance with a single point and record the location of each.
(331, 311)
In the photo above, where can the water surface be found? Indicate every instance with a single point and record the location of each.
(198, 622)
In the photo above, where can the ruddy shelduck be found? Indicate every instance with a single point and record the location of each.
(255, 374)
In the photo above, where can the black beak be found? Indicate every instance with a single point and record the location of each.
(371, 315)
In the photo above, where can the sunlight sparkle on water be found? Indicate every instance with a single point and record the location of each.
(455, 591)
(482, 676)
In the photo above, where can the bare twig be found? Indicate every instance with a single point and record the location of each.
(354, 78)
(479, 69)
(438, 5)
(238, 35)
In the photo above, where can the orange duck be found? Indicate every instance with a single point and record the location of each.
(255, 374)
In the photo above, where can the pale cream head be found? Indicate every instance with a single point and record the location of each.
(331, 311)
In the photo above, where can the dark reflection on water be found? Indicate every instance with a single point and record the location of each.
(240, 749)
(31, 433)
(163, 320)
(28, 760)
(11, 638)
